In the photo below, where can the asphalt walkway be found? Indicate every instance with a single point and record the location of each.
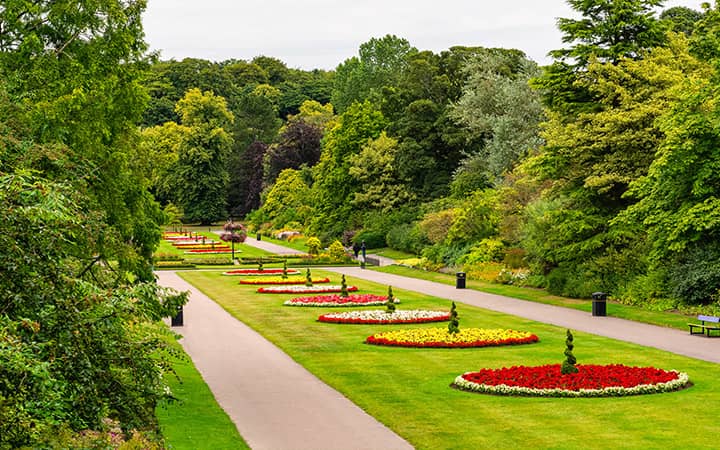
(663, 338)
(275, 403)
(672, 340)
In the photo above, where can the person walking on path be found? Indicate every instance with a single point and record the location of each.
(356, 249)
(362, 249)
(275, 403)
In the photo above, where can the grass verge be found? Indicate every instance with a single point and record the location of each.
(408, 389)
(196, 420)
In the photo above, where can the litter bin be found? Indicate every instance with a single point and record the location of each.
(177, 319)
(258, 236)
(460, 280)
(599, 304)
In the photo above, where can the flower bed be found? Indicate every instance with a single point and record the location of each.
(264, 272)
(284, 281)
(440, 337)
(590, 381)
(205, 251)
(382, 317)
(304, 289)
(336, 300)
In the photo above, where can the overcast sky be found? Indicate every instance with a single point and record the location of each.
(310, 34)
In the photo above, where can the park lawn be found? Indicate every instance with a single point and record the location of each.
(388, 252)
(408, 389)
(629, 312)
(196, 420)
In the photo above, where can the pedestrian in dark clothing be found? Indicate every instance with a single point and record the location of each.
(362, 248)
(356, 249)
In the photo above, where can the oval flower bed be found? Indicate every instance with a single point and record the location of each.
(210, 250)
(284, 281)
(439, 337)
(590, 381)
(264, 272)
(382, 317)
(304, 289)
(337, 300)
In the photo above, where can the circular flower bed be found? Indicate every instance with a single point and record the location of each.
(336, 300)
(382, 317)
(439, 337)
(304, 289)
(284, 281)
(590, 381)
(264, 272)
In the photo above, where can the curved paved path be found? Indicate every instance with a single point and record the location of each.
(275, 403)
(669, 339)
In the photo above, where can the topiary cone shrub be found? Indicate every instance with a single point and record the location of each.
(343, 287)
(284, 274)
(568, 366)
(453, 326)
(390, 301)
(308, 278)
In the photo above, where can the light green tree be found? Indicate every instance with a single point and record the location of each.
(200, 176)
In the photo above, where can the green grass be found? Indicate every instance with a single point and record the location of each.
(392, 253)
(629, 312)
(297, 243)
(408, 389)
(196, 420)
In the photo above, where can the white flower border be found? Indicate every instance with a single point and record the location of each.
(282, 289)
(381, 315)
(502, 389)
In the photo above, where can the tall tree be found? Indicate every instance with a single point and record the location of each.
(201, 172)
(498, 107)
(380, 63)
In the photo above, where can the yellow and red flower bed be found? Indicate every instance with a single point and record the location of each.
(441, 338)
(210, 250)
(304, 289)
(264, 272)
(382, 317)
(338, 300)
(590, 381)
(278, 280)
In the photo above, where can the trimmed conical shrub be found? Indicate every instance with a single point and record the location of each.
(568, 366)
(390, 301)
(453, 326)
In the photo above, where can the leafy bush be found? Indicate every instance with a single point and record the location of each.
(571, 283)
(487, 271)
(313, 245)
(407, 237)
(336, 251)
(484, 251)
(696, 277)
(448, 255)
(373, 239)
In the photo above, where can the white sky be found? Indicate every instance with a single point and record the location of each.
(310, 34)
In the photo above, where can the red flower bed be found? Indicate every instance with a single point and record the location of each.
(314, 280)
(304, 289)
(210, 250)
(590, 380)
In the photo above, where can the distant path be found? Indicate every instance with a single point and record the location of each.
(270, 247)
(275, 403)
(663, 338)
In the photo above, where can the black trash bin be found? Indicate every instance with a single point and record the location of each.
(460, 280)
(177, 319)
(599, 304)
(258, 236)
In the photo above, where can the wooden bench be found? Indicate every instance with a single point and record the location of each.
(707, 325)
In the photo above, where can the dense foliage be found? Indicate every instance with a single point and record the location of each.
(595, 172)
(79, 342)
